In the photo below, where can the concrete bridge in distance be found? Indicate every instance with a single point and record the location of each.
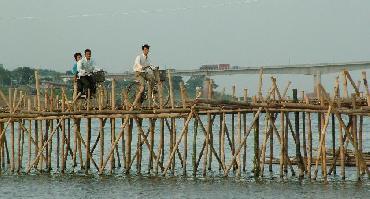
(316, 70)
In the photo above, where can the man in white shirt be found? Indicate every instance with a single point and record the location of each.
(85, 68)
(142, 63)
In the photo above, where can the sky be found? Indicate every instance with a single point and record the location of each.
(186, 34)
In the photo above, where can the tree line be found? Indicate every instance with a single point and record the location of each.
(26, 76)
(21, 76)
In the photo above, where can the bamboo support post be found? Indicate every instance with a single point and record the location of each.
(366, 85)
(256, 159)
(298, 145)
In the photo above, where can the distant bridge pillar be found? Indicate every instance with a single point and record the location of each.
(316, 82)
(206, 82)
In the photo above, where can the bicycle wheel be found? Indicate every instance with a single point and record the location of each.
(132, 90)
(165, 95)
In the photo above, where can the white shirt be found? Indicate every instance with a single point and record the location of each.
(141, 61)
(85, 67)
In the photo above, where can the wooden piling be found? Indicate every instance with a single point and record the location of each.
(298, 145)
(256, 159)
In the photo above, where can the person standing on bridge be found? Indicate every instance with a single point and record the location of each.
(142, 63)
(85, 68)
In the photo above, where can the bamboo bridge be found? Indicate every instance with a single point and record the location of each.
(208, 135)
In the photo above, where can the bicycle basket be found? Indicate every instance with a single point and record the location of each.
(99, 76)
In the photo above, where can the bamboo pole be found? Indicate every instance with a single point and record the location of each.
(345, 86)
(286, 140)
(256, 159)
(206, 135)
(354, 135)
(342, 155)
(205, 153)
(151, 141)
(210, 124)
(11, 106)
(79, 142)
(282, 145)
(260, 84)
(19, 164)
(128, 144)
(58, 134)
(333, 139)
(256, 116)
(62, 154)
(173, 131)
(355, 140)
(233, 127)
(304, 137)
(245, 95)
(39, 154)
(271, 150)
(29, 134)
(309, 139)
(194, 155)
(366, 85)
(359, 155)
(88, 135)
(264, 143)
(173, 142)
(75, 126)
(1, 148)
(68, 142)
(170, 83)
(222, 144)
(101, 128)
(239, 136)
(47, 125)
(139, 149)
(298, 144)
(322, 143)
(178, 142)
(113, 125)
(286, 90)
(183, 99)
(360, 135)
(161, 141)
(352, 83)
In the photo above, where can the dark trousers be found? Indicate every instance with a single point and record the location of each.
(79, 84)
(87, 82)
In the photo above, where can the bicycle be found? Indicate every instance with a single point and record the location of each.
(98, 79)
(159, 76)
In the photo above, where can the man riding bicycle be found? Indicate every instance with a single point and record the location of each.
(85, 68)
(142, 63)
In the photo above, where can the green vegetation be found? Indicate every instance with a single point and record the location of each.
(23, 78)
(5, 77)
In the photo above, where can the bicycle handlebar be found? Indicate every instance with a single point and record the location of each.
(151, 67)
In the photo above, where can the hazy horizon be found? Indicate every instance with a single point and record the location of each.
(184, 34)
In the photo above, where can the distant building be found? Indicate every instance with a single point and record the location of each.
(224, 66)
(235, 67)
(215, 67)
(209, 67)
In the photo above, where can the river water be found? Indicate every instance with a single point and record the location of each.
(78, 185)
(55, 186)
